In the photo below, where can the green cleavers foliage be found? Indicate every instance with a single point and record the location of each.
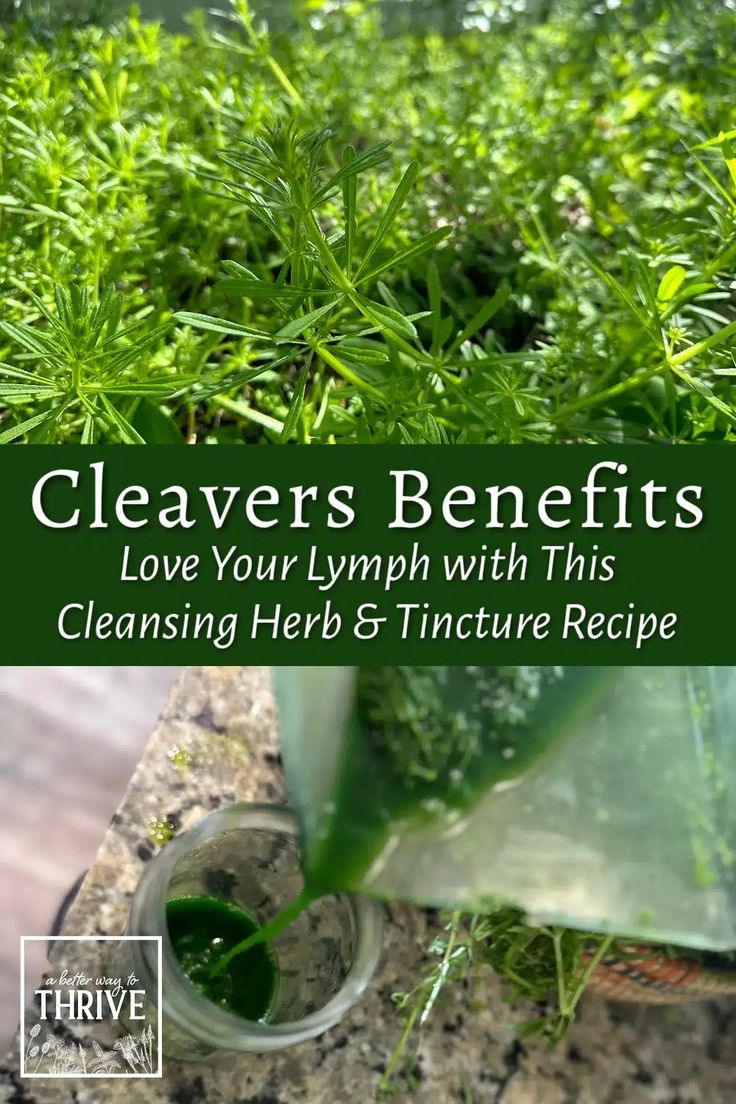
(361, 231)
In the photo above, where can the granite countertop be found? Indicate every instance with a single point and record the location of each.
(615, 1054)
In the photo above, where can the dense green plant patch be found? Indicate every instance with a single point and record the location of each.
(544, 250)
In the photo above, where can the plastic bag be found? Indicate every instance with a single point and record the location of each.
(624, 820)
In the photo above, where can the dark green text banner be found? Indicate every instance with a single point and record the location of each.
(527, 554)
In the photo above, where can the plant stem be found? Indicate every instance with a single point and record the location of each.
(347, 373)
(421, 1010)
(622, 388)
(398, 1051)
(593, 963)
(245, 411)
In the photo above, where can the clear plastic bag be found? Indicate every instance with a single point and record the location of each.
(626, 822)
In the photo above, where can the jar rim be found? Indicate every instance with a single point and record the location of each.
(193, 1012)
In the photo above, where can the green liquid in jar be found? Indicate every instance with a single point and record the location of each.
(202, 931)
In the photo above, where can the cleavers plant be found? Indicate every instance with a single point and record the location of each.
(583, 293)
(326, 316)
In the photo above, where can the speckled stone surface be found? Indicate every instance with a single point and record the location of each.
(615, 1054)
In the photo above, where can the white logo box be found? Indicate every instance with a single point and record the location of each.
(24, 1039)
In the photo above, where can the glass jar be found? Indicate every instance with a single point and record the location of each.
(248, 855)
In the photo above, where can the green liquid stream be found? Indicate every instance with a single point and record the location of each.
(263, 935)
(425, 743)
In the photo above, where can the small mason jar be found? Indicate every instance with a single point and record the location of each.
(248, 855)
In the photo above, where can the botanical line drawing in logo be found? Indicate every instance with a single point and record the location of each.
(56, 1057)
